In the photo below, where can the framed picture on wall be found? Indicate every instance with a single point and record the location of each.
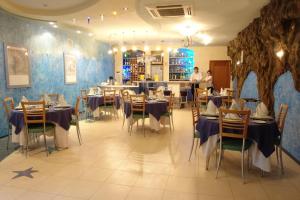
(156, 58)
(70, 63)
(17, 66)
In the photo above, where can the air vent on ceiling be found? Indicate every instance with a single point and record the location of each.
(159, 12)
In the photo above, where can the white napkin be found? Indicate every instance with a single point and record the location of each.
(261, 110)
(234, 106)
(161, 88)
(46, 98)
(211, 108)
(209, 93)
(61, 100)
(221, 91)
(131, 92)
(91, 91)
(24, 99)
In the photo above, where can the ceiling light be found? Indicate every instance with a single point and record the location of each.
(114, 13)
(125, 8)
(51, 23)
(206, 39)
(188, 28)
(134, 48)
(280, 53)
(158, 48)
(162, 54)
(146, 48)
(78, 32)
(110, 51)
(123, 49)
(102, 17)
(175, 51)
(55, 26)
(115, 50)
(238, 62)
(91, 34)
(169, 49)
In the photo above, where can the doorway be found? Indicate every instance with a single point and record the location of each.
(221, 73)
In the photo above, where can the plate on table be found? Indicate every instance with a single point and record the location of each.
(262, 117)
(211, 118)
(259, 121)
(209, 114)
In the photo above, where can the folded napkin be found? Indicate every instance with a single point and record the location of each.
(211, 108)
(131, 92)
(91, 91)
(161, 88)
(261, 110)
(46, 98)
(23, 99)
(234, 106)
(61, 100)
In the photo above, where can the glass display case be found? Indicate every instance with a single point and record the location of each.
(133, 65)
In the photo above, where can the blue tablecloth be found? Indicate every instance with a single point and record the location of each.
(263, 134)
(95, 101)
(217, 100)
(62, 117)
(157, 109)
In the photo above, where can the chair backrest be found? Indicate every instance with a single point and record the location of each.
(9, 105)
(83, 92)
(201, 95)
(234, 128)
(53, 97)
(241, 103)
(171, 102)
(34, 112)
(76, 108)
(195, 115)
(137, 103)
(109, 96)
(281, 116)
(125, 95)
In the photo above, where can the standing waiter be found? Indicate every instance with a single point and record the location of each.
(196, 77)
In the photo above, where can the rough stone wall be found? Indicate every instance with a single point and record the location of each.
(277, 28)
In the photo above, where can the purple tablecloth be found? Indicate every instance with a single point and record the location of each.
(95, 101)
(62, 117)
(157, 109)
(263, 134)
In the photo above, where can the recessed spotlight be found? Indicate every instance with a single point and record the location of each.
(158, 48)
(114, 13)
(91, 34)
(280, 53)
(51, 23)
(102, 17)
(146, 48)
(238, 62)
(134, 48)
(169, 49)
(110, 51)
(123, 49)
(78, 32)
(115, 50)
(55, 26)
(125, 8)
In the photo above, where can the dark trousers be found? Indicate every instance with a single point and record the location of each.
(193, 88)
(211, 89)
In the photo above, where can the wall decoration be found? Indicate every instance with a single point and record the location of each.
(70, 63)
(276, 30)
(18, 73)
(157, 58)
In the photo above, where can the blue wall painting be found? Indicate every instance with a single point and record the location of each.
(284, 92)
(46, 47)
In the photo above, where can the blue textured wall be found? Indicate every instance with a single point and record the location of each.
(284, 92)
(46, 46)
(249, 89)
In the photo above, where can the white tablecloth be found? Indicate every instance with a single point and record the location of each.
(61, 137)
(154, 123)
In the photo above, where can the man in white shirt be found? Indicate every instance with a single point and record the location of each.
(196, 77)
(209, 81)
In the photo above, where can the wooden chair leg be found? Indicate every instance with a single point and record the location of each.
(281, 161)
(242, 165)
(192, 149)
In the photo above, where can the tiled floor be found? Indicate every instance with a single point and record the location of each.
(113, 165)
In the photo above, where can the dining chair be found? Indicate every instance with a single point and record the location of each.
(170, 108)
(75, 119)
(233, 135)
(110, 102)
(124, 98)
(9, 105)
(53, 97)
(201, 97)
(241, 103)
(35, 122)
(196, 134)
(138, 110)
(84, 103)
(183, 98)
(228, 100)
(283, 110)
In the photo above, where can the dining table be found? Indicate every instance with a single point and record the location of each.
(95, 101)
(61, 116)
(156, 110)
(263, 135)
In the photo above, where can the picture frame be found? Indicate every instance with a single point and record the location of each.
(70, 68)
(156, 58)
(17, 66)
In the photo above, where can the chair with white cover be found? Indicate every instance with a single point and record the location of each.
(9, 105)
(278, 142)
(233, 134)
(35, 122)
(75, 119)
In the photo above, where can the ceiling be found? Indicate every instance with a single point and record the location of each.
(221, 20)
